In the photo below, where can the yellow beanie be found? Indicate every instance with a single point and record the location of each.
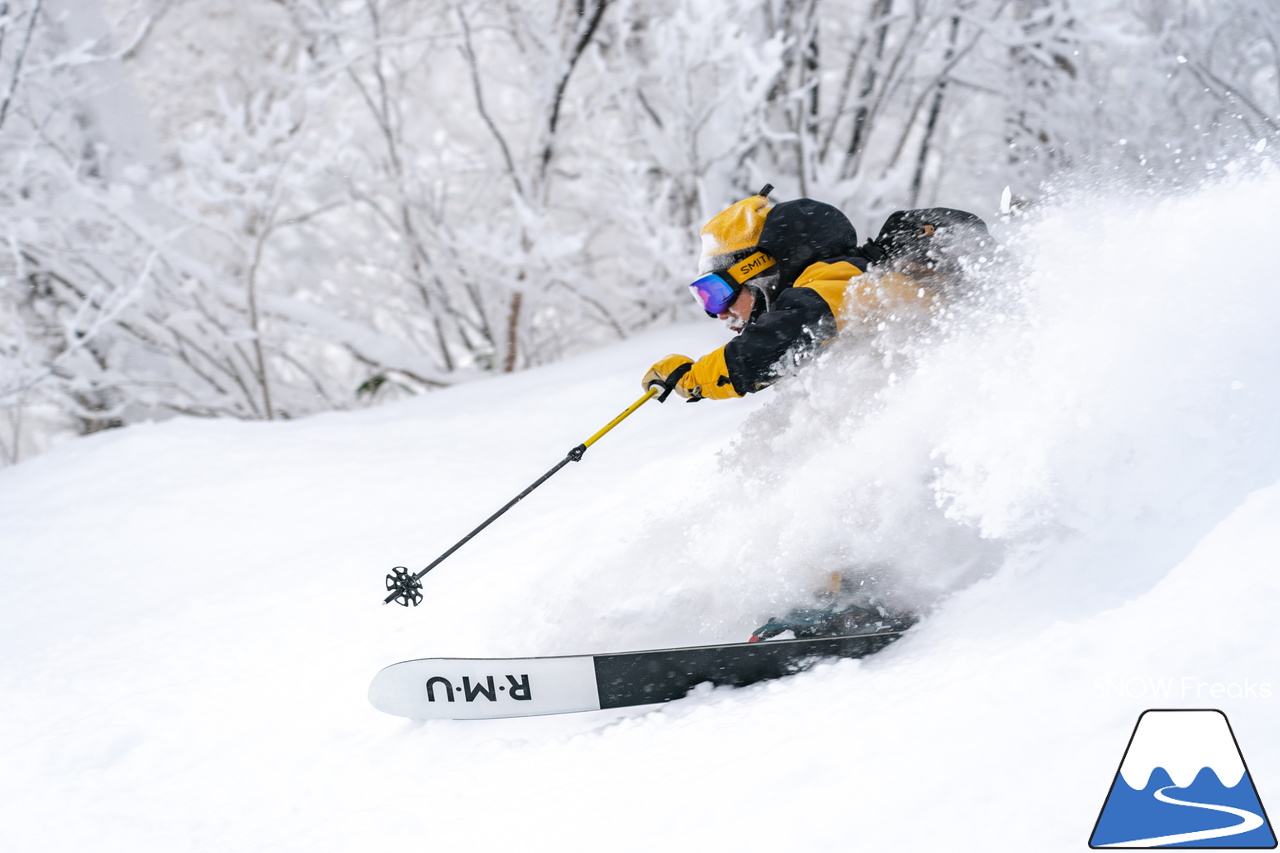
(733, 233)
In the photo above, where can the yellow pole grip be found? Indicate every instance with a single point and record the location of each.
(648, 395)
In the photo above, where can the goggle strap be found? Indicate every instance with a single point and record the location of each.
(751, 267)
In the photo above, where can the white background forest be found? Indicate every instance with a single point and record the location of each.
(268, 208)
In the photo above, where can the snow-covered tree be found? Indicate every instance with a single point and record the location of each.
(265, 209)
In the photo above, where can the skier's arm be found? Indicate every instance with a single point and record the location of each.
(827, 299)
(794, 327)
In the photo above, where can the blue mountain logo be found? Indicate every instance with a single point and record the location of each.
(1183, 783)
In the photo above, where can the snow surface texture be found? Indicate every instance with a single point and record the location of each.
(1080, 483)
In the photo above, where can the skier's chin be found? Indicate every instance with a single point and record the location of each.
(735, 324)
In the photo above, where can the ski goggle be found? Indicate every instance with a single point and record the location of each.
(716, 291)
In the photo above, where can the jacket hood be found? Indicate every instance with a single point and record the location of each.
(803, 232)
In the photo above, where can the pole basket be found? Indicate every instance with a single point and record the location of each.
(405, 589)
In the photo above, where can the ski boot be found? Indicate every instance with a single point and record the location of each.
(848, 610)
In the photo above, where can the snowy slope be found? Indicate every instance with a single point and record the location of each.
(1085, 491)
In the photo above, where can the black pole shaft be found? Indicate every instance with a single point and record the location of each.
(574, 456)
(408, 587)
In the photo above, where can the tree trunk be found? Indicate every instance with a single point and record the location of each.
(513, 332)
(931, 124)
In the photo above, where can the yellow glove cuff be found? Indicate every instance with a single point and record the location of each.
(710, 376)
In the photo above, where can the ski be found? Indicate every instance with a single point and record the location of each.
(492, 688)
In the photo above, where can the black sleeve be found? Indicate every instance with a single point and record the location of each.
(793, 328)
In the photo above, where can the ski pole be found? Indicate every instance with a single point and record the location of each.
(407, 589)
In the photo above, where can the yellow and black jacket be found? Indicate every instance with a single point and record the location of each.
(822, 290)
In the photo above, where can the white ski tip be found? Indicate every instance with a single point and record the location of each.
(482, 689)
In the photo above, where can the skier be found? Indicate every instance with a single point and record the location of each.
(786, 279)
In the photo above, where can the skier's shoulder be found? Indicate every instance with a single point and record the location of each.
(836, 271)
(816, 295)
(827, 280)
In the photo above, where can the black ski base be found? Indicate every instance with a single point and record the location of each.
(641, 678)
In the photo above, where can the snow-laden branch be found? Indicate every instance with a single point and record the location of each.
(16, 74)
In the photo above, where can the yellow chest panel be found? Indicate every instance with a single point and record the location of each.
(856, 298)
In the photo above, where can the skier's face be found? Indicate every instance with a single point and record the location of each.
(739, 311)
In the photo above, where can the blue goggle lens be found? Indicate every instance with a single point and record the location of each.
(715, 293)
